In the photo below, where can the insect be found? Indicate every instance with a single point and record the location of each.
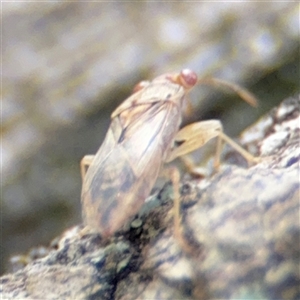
(140, 139)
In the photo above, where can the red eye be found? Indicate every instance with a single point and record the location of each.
(140, 86)
(188, 78)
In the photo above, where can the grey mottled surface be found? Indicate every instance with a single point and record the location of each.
(241, 227)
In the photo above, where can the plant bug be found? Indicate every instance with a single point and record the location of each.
(140, 139)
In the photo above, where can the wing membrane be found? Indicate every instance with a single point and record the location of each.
(125, 170)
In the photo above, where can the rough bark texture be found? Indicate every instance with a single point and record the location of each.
(241, 231)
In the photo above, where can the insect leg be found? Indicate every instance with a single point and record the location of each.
(85, 163)
(222, 136)
(196, 135)
(174, 175)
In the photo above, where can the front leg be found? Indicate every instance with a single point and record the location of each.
(196, 135)
(192, 137)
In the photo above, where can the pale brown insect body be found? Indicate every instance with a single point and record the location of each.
(139, 140)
